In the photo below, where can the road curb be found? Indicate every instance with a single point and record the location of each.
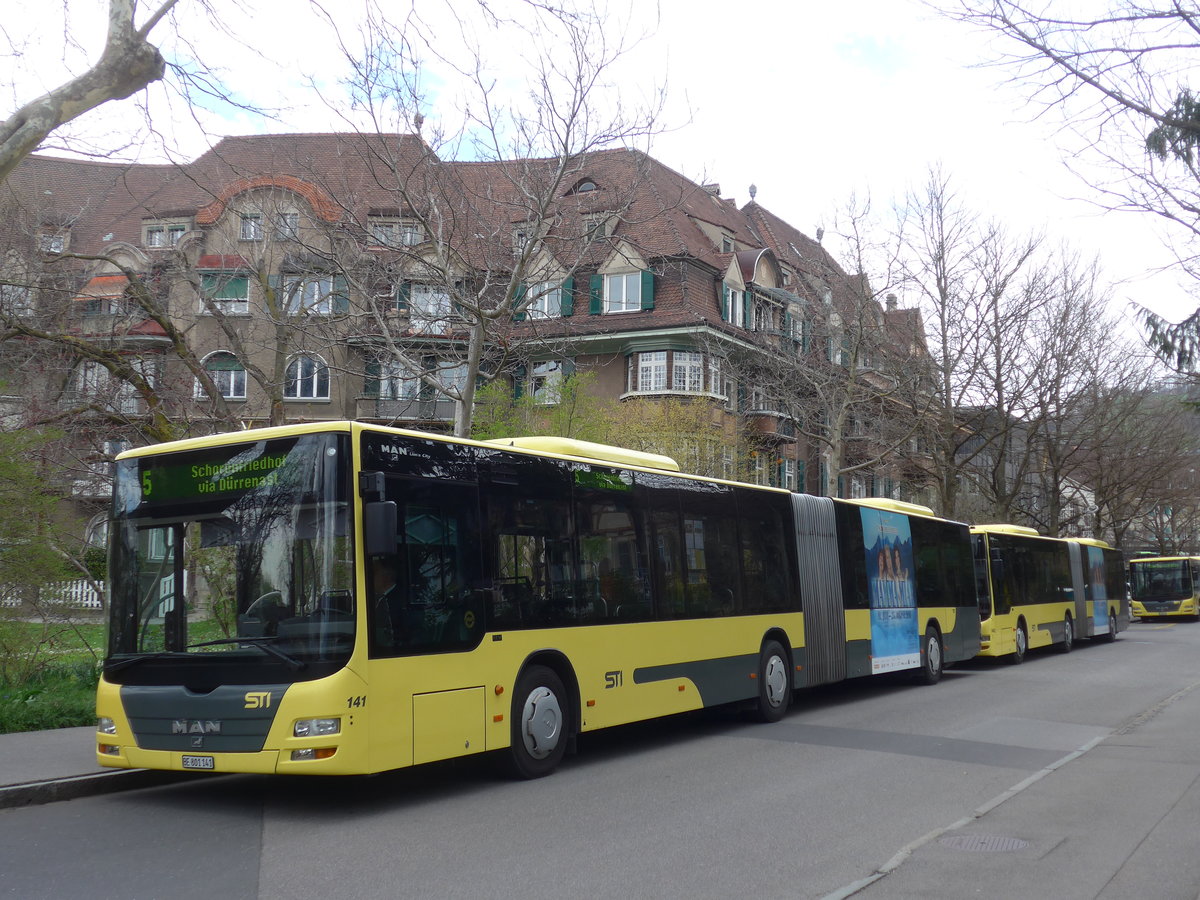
(34, 793)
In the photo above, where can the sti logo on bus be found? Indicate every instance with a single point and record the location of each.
(258, 700)
(196, 726)
(613, 679)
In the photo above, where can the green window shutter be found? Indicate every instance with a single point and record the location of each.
(596, 295)
(800, 476)
(647, 289)
(341, 294)
(403, 293)
(567, 295)
(747, 311)
(518, 299)
(371, 381)
(223, 362)
(519, 382)
(568, 368)
(724, 302)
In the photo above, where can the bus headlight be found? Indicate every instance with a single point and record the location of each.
(316, 727)
(105, 725)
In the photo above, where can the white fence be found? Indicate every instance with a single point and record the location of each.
(74, 594)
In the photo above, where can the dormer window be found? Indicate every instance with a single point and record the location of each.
(584, 186)
(163, 234)
(396, 233)
(726, 244)
(251, 228)
(52, 241)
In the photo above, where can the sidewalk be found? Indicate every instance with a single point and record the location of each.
(43, 766)
(1118, 821)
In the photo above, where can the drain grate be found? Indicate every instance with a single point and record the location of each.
(983, 843)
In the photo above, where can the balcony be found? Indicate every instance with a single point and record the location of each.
(405, 410)
(770, 424)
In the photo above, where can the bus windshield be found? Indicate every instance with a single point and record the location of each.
(1166, 579)
(239, 554)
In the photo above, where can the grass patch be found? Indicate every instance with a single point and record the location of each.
(59, 696)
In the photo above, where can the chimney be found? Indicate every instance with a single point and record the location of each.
(891, 302)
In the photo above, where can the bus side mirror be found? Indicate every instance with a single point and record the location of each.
(379, 527)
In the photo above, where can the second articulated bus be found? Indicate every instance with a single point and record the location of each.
(1165, 586)
(1035, 591)
(342, 598)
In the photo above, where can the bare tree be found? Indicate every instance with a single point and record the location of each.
(128, 64)
(1119, 79)
(473, 248)
(978, 288)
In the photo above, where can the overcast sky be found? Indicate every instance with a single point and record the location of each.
(810, 102)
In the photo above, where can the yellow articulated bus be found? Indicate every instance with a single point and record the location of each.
(345, 598)
(1035, 591)
(1165, 586)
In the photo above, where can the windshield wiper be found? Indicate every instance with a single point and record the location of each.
(118, 665)
(263, 643)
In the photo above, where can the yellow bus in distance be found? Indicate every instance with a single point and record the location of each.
(1035, 591)
(1165, 586)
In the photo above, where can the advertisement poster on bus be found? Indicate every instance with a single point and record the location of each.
(895, 643)
(1095, 557)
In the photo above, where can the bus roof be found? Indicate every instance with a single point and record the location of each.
(1142, 559)
(1005, 529)
(588, 450)
(900, 506)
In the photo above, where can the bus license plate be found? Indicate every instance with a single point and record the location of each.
(198, 762)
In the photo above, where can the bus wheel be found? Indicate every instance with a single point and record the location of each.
(1022, 637)
(774, 685)
(541, 721)
(1112, 627)
(1068, 643)
(931, 657)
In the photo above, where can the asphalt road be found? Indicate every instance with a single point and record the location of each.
(863, 788)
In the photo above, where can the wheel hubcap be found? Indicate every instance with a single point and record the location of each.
(775, 680)
(541, 723)
(935, 654)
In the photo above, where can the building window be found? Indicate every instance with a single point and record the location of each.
(96, 384)
(735, 307)
(545, 382)
(52, 241)
(397, 234)
(547, 300)
(228, 293)
(16, 300)
(287, 226)
(726, 244)
(307, 378)
(164, 235)
(789, 474)
(429, 306)
(687, 372)
(623, 293)
(309, 294)
(251, 229)
(648, 371)
(228, 375)
(716, 384)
